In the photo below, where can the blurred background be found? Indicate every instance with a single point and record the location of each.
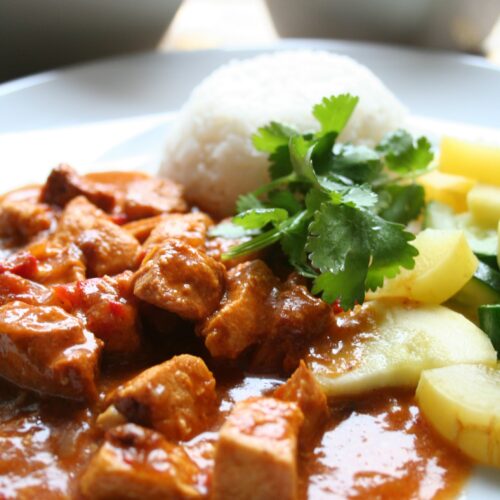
(37, 35)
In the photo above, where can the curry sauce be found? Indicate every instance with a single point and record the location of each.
(377, 447)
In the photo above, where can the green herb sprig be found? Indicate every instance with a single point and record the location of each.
(337, 210)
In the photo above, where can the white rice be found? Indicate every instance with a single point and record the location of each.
(209, 149)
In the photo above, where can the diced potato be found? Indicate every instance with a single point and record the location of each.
(476, 161)
(484, 203)
(444, 265)
(394, 346)
(462, 403)
(447, 188)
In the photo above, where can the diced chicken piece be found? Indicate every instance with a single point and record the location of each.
(177, 398)
(137, 464)
(297, 317)
(256, 454)
(303, 388)
(141, 228)
(14, 287)
(22, 220)
(191, 228)
(108, 308)
(181, 279)
(57, 262)
(257, 310)
(243, 317)
(45, 349)
(108, 248)
(64, 184)
(153, 196)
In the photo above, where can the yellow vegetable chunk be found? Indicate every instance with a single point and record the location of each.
(477, 161)
(484, 204)
(462, 403)
(444, 265)
(447, 188)
(388, 344)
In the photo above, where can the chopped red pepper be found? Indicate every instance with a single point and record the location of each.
(23, 264)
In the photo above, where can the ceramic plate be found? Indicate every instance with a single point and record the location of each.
(116, 113)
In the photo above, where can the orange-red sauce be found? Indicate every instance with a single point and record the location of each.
(375, 447)
(381, 447)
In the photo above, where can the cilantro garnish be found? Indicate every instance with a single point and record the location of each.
(337, 210)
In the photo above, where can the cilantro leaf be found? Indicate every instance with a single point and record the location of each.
(293, 243)
(402, 155)
(348, 285)
(300, 156)
(322, 153)
(257, 218)
(342, 237)
(359, 196)
(280, 164)
(314, 198)
(229, 230)
(247, 202)
(334, 112)
(401, 203)
(391, 251)
(269, 138)
(332, 235)
(286, 200)
(358, 163)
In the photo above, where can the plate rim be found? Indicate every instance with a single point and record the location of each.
(469, 60)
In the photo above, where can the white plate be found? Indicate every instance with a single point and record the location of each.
(115, 114)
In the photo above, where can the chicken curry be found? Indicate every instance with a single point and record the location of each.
(136, 363)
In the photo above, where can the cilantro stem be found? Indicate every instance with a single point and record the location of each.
(257, 243)
(274, 184)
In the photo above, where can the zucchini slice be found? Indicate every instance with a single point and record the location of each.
(482, 288)
(489, 320)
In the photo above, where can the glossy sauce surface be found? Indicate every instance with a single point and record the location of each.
(378, 447)
(381, 447)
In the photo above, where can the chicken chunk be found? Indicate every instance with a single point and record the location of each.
(181, 279)
(244, 313)
(57, 262)
(14, 287)
(142, 228)
(108, 249)
(256, 454)
(64, 184)
(191, 228)
(297, 317)
(21, 221)
(152, 196)
(304, 389)
(45, 349)
(277, 319)
(177, 398)
(136, 464)
(107, 307)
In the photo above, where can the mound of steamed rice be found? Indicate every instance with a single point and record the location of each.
(209, 150)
